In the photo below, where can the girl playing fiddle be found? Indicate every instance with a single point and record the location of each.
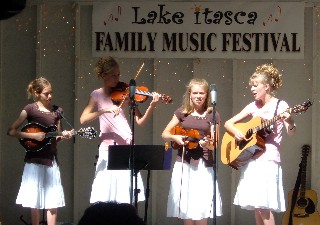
(112, 185)
(192, 200)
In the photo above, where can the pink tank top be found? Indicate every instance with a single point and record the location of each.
(113, 129)
(272, 141)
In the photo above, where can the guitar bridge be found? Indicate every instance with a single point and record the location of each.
(301, 215)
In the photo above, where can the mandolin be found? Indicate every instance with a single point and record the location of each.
(304, 210)
(32, 145)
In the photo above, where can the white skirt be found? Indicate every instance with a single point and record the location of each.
(196, 200)
(113, 185)
(41, 187)
(260, 186)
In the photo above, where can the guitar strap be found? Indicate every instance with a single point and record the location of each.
(295, 194)
(275, 112)
(268, 129)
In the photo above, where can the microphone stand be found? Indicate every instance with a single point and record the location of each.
(214, 122)
(133, 172)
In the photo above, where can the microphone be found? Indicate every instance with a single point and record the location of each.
(55, 108)
(132, 89)
(59, 112)
(213, 94)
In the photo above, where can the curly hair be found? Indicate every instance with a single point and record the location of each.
(105, 65)
(187, 104)
(270, 75)
(37, 85)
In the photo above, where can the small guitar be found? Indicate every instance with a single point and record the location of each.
(236, 153)
(32, 145)
(304, 211)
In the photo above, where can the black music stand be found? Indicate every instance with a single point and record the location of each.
(147, 157)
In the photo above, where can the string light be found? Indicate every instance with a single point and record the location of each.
(62, 42)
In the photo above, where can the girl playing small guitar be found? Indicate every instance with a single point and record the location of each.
(41, 183)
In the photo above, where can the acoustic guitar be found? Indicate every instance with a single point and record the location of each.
(32, 145)
(304, 211)
(237, 153)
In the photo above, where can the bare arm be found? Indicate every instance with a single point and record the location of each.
(13, 129)
(14, 132)
(230, 125)
(89, 114)
(65, 134)
(289, 123)
(141, 119)
(208, 142)
(166, 134)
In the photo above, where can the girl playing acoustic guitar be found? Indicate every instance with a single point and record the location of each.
(41, 183)
(260, 186)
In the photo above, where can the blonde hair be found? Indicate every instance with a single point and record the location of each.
(105, 65)
(37, 85)
(270, 75)
(187, 104)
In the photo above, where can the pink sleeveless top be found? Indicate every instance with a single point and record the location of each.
(273, 140)
(113, 129)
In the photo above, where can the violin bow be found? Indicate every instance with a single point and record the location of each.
(181, 178)
(138, 72)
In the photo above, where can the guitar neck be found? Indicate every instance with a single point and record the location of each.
(267, 123)
(53, 134)
(145, 93)
(57, 133)
(163, 97)
(303, 184)
(303, 177)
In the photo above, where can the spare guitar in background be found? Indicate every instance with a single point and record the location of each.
(32, 145)
(237, 153)
(303, 210)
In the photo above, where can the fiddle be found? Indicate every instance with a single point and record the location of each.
(121, 93)
(192, 136)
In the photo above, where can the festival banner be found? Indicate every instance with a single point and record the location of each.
(236, 30)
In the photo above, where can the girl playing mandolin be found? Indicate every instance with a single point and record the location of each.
(192, 182)
(260, 186)
(112, 185)
(41, 183)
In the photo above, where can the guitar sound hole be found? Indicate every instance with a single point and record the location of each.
(302, 202)
(242, 144)
(249, 134)
(307, 204)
